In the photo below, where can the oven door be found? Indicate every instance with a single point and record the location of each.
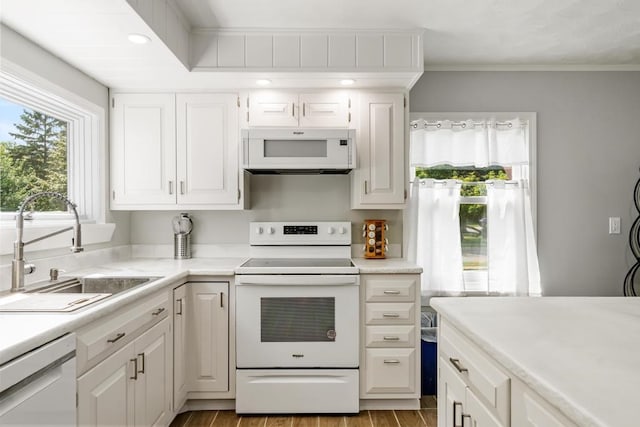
(291, 321)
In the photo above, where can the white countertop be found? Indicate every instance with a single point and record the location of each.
(579, 353)
(22, 332)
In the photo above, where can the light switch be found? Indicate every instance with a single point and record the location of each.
(614, 225)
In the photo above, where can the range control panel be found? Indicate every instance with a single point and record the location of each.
(300, 233)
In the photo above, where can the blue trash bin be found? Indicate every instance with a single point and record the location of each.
(429, 350)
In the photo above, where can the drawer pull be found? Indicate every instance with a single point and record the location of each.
(390, 315)
(179, 309)
(158, 311)
(391, 338)
(392, 292)
(455, 415)
(391, 361)
(457, 365)
(141, 371)
(135, 369)
(117, 337)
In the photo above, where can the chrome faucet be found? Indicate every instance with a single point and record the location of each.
(18, 266)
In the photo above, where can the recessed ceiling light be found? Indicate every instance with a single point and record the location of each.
(263, 82)
(347, 82)
(138, 38)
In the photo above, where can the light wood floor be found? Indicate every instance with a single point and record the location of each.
(425, 417)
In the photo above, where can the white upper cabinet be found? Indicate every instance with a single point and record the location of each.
(175, 152)
(378, 182)
(143, 164)
(207, 149)
(290, 109)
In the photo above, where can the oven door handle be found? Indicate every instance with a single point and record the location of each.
(284, 280)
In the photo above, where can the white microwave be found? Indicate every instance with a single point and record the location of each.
(298, 150)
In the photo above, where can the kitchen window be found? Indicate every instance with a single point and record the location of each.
(470, 216)
(50, 141)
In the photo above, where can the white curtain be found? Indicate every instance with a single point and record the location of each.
(511, 248)
(469, 143)
(433, 235)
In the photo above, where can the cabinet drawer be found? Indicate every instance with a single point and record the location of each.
(390, 370)
(390, 336)
(482, 375)
(390, 313)
(391, 289)
(100, 338)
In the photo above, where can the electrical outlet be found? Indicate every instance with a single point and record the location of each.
(614, 225)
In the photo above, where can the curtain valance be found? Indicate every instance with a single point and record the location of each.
(469, 143)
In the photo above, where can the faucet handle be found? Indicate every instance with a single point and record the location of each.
(53, 273)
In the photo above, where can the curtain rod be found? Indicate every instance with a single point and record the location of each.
(443, 181)
(462, 124)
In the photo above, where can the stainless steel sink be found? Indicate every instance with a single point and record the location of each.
(94, 285)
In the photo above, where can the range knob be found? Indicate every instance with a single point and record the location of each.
(330, 230)
(271, 230)
(259, 230)
(342, 230)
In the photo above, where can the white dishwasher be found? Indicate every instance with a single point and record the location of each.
(39, 387)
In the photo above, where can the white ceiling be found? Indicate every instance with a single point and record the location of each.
(458, 34)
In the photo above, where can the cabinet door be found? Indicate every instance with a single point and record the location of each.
(480, 414)
(270, 108)
(180, 313)
(324, 109)
(529, 409)
(106, 393)
(451, 396)
(153, 382)
(143, 157)
(378, 181)
(208, 328)
(207, 149)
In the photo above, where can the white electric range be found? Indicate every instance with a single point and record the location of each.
(297, 320)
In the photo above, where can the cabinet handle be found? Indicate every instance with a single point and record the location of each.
(170, 187)
(141, 371)
(365, 186)
(465, 416)
(391, 338)
(135, 369)
(293, 109)
(179, 309)
(221, 299)
(457, 365)
(455, 414)
(390, 315)
(304, 109)
(392, 292)
(117, 337)
(158, 311)
(181, 187)
(391, 361)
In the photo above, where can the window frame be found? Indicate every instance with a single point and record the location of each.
(527, 173)
(85, 142)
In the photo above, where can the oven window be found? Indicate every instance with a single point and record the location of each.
(295, 148)
(296, 319)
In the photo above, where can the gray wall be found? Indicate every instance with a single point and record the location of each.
(588, 159)
(273, 198)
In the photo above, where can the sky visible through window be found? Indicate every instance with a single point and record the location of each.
(9, 114)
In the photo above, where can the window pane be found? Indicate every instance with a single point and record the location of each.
(33, 157)
(473, 233)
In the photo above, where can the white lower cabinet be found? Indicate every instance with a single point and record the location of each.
(474, 390)
(207, 340)
(132, 386)
(180, 349)
(528, 409)
(390, 351)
